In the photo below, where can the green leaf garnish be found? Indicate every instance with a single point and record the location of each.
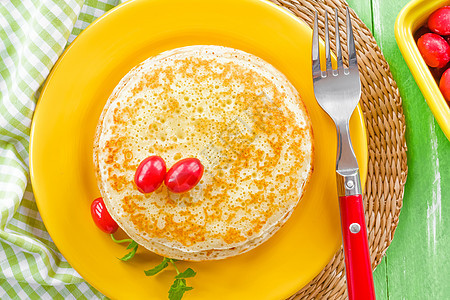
(130, 254)
(132, 245)
(179, 286)
(178, 289)
(158, 268)
(186, 274)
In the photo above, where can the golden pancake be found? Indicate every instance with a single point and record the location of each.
(233, 111)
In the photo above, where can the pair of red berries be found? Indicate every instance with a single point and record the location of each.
(181, 177)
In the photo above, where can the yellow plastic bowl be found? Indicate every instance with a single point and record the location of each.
(411, 18)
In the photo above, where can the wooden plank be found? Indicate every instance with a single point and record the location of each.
(417, 264)
(380, 280)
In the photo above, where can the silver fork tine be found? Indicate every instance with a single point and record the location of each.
(338, 42)
(350, 43)
(327, 44)
(315, 48)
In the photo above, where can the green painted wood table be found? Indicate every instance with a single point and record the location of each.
(417, 264)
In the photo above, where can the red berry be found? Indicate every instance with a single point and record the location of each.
(101, 216)
(150, 174)
(184, 175)
(444, 85)
(434, 49)
(439, 21)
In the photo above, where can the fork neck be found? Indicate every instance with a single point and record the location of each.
(347, 170)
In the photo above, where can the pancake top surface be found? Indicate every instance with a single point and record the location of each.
(233, 111)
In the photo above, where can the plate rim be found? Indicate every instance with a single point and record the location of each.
(54, 70)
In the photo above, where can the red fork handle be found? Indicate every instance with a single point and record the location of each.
(356, 249)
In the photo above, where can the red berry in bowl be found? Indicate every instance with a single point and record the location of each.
(444, 85)
(150, 174)
(439, 21)
(184, 175)
(434, 49)
(101, 217)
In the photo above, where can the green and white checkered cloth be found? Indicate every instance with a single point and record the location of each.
(33, 34)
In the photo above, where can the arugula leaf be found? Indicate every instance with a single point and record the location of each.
(186, 274)
(178, 289)
(132, 245)
(130, 254)
(158, 268)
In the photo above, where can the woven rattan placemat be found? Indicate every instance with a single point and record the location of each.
(385, 122)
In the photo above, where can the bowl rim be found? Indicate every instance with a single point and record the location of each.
(408, 21)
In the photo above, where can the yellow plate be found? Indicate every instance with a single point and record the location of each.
(411, 18)
(62, 170)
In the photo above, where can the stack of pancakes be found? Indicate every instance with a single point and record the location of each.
(236, 113)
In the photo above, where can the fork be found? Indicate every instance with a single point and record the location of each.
(338, 91)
